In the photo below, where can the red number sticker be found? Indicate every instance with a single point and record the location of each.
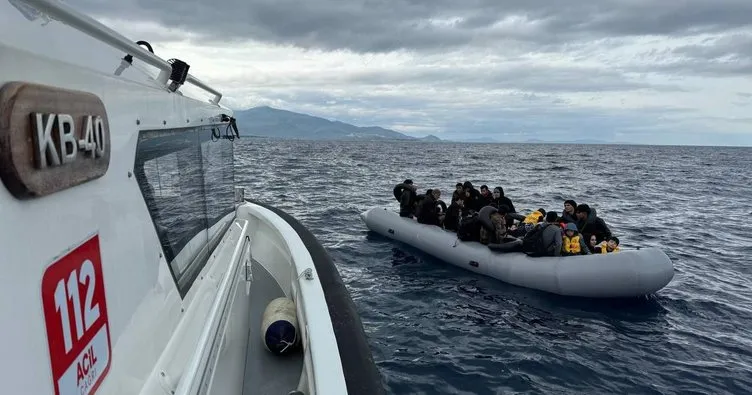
(75, 313)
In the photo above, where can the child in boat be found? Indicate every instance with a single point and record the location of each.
(593, 244)
(612, 245)
(572, 242)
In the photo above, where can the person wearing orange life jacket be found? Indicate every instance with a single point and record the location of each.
(572, 242)
(535, 217)
(612, 245)
(528, 223)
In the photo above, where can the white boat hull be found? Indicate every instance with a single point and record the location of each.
(627, 273)
(146, 278)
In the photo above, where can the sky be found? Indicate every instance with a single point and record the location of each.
(642, 71)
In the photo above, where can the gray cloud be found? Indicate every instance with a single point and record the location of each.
(484, 67)
(732, 47)
(532, 116)
(527, 77)
(729, 54)
(381, 26)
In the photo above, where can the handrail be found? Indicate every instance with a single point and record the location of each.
(195, 81)
(193, 375)
(97, 30)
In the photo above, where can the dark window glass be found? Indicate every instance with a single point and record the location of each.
(186, 178)
(219, 176)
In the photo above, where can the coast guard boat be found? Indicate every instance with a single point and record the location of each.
(132, 264)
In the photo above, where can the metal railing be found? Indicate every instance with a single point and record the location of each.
(198, 372)
(66, 14)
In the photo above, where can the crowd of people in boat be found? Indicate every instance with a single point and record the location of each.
(490, 218)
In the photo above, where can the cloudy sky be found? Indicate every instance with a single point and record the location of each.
(649, 71)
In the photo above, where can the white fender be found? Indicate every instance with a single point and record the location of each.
(279, 326)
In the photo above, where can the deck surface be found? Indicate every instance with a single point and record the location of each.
(266, 373)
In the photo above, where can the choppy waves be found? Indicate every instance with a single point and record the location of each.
(435, 328)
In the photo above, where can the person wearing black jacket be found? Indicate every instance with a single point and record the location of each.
(500, 200)
(405, 194)
(459, 192)
(568, 215)
(427, 213)
(588, 223)
(472, 197)
(453, 214)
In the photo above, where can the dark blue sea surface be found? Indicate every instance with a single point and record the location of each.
(437, 329)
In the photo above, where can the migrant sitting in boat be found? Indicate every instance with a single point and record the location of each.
(431, 209)
(568, 215)
(492, 220)
(493, 229)
(589, 224)
(573, 243)
(611, 245)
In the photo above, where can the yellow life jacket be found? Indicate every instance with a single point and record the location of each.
(604, 248)
(571, 244)
(533, 218)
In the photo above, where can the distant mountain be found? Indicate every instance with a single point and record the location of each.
(431, 138)
(266, 121)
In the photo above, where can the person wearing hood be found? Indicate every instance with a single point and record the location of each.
(572, 242)
(498, 200)
(405, 194)
(568, 215)
(472, 197)
(588, 223)
(427, 213)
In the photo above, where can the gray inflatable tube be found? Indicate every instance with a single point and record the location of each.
(627, 273)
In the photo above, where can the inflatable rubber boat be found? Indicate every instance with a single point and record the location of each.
(627, 273)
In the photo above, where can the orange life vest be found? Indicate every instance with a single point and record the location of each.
(604, 248)
(533, 218)
(571, 244)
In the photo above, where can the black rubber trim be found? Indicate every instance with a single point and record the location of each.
(361, 374)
